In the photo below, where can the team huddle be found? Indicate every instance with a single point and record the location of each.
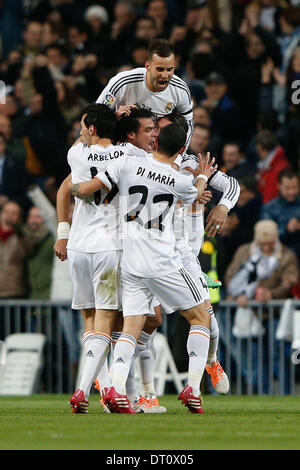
(130, 247)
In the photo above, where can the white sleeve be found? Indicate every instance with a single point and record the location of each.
(111, 175)
(107, 96)
(185, 106)
(228, 186)
(134, 151)
(195, 227)
(190, 192)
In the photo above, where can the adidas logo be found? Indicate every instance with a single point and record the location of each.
(120, 360)
(90, 353)
(193, 354)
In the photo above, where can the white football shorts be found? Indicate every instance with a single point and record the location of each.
(174, 291)
(193, 266)
(95, 279)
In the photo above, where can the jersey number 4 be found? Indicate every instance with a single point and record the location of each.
(155, 223)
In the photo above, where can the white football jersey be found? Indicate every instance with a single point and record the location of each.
(95, 223)
(189, 226)
(130, 87)
(148, 192)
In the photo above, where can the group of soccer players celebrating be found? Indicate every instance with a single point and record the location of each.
(131, 248)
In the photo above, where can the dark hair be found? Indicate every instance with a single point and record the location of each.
(202, 126)
(131, 123)
(171, 139)
(250, 183)
(266, 139)
(176, 117)
(286, 173)
(236, 143)
(161, 47)
(59, 47)
(82, 27)
(145, 17)
(102, 117)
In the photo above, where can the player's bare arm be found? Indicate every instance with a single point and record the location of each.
(83, 190)
(62, 207)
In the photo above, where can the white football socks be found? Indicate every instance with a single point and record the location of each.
(142, 343)
(123, 354)
(147, 362)
(214, 338)
(97, 345)
(197, 348)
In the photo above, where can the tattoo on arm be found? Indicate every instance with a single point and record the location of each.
(75, 191)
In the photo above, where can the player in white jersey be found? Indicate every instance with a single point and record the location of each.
(94, 244)
(133, 140)
(154, 86)
(148, 192)
(138, 129)
(189, 239)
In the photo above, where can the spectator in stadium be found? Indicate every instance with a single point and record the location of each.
(14, 179)
(14, 248)
(247, 77)
(201, 116)
(158, 11)
(139, 53)
(272, 161)
(46, 119)
(58, 62)
(11, 110)
(235, 163)
(122, 32)
(11, 66)
(14, 145)
(200, 140)
(266, 120)
(96, 16)
(145, 29)
(258, 271)
(292, 118)
(52, 33)
(268, 261)
(285, 210)
(32, 36)
(240, 227)
(289, 23)
(225, 115)
(40, 262)
(248, 208)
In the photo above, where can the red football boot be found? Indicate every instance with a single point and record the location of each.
(194, 404)
(78, 402)
(116, 403)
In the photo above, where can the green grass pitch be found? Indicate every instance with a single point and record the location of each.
(45, 422)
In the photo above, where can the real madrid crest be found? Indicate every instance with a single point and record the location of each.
(169, 107)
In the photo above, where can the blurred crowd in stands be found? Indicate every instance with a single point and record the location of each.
(241, 60)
